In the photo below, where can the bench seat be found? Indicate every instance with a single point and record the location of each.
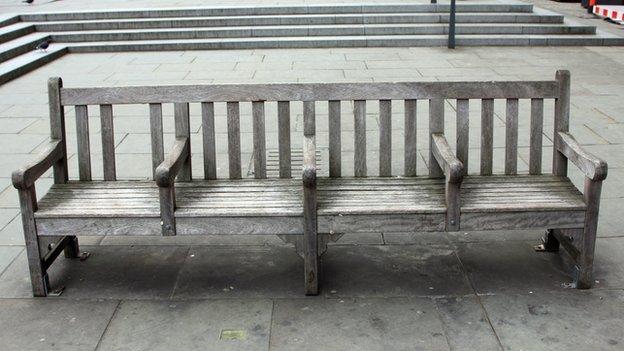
(520, 202)
(263, 206)
(380, 204)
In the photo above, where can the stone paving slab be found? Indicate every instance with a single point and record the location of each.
(574, 320)
(44, 324)
(190, 325)
(357, 324)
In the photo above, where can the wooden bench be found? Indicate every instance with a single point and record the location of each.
(325, 200)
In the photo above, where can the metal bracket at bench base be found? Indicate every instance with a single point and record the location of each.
(549, 243)
(323, 240)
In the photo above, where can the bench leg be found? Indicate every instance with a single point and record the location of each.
(310, 243)
(585, 268)
(38, 275)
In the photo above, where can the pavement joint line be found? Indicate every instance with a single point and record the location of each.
(97, 346)
(177, 278)
(12, 261)
(485, 312)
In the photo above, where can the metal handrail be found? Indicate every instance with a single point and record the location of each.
(451, 33)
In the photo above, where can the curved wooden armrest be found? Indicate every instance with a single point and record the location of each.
(167, 171)
(26, 176)
(309, 161)
(453, 168)
(593, 167)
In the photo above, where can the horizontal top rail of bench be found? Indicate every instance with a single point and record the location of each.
(310, 92)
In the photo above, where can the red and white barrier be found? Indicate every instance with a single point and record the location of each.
(614, 12)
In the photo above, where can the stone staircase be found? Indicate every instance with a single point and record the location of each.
(301, 26)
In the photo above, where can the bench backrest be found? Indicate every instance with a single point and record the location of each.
(284, 96)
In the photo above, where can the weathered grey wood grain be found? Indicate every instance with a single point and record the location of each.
(174, 163)
(167, 211)
(57, 127)
(259, 141)
(511, 137)
(453, 170)
(310, 238)
(183, 130)
(38, 275)
(283, 136)
(538, 219)
(359, 114)
(562, 121)
(108, 142)
(156, 132)
(410, 145)
(591, 193)
(385, 138)
(436, 125)
(309, 92)
(26, 176)
(100, 226)
(209, 144)
(335, 148)
(83, 148)
(234, 151)
(487, 136)
(593, 167)
(537, 129)
(363, 223)
(463, 125)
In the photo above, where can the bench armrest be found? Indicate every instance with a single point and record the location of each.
(453, 168)
(167, 171)
(593, 167)
(26, 176)
(309, 161)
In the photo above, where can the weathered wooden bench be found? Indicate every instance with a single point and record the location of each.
(313, 208)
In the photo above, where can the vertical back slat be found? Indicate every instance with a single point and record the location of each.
(411, 151)
(385, 138)
(511, 137)
(108, 142)
(57, 127)
(156, 131)
(183, 130)
(309, 118)
(463, 132)
(234, 152)
(359, 113)
(208, 136)
(82, 135)
(283, 131)
(436, 125)
(537, 129)
(487, 135)
(259, 141)
(562, 122)
(335, 152)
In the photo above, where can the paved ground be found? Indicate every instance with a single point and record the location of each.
(381, 291)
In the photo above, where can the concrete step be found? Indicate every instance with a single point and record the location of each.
(268, 20)
(316, 30)
(274, 10)
(344, 41)
(21, 45)
(29, 61)
(15, 30)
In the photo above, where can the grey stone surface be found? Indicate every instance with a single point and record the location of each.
(190, 325)
(45, 324)
(512, 267)
(410, 270)
(240, 272)
(357, 324)
(574, 320)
